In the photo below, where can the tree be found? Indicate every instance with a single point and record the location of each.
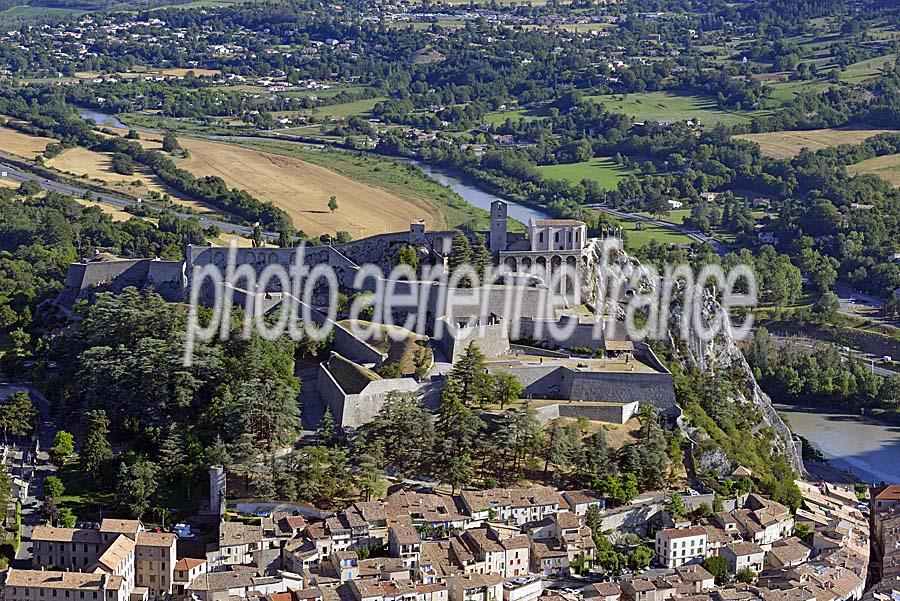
(828, 304)
(170, 143)
(459, 428)
(481, 258)
(17, 414)
(53, 487)
(63, 447)
(66, 518)
(639, 558)
(675, 506)
(460, 253)
(718, 567)
(506, 387)
(745, 575)
(96, 452)
(136, 485)
(332, 203)
(367, 473)
(802, 530)
(472, 376)
(408, 255)
(327, 432)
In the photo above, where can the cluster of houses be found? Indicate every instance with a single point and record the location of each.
(502, 544)
(886, 550)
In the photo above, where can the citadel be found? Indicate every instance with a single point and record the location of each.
(548, 273)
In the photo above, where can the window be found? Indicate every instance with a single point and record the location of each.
(556, 237)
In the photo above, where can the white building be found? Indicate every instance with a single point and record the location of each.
(678, 546)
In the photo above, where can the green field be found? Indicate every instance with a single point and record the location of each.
(359, 108)
(638, 238)
(326, 93)
(668, 106)
(886, 167)
(517, 115)
(28, 12)
(785, 91)
(863, 70)
(676, 216)
(600, 169)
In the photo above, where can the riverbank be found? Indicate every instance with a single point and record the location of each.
(860, 445)
(449, 199)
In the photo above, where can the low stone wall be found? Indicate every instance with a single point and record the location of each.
(611, 413)
(630, 518)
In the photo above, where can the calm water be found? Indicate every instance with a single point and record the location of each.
(868, 449)
(103, 119)
(478, 197)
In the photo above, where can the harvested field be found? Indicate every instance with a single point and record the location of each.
(20, 144)
(97, 166)
(786, 144)
(302, 189)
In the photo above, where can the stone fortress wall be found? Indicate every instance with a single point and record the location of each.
(595, 393)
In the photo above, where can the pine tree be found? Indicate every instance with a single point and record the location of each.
(459, 428)
(171, 456)
(460, 254)
(95, 449)
(481, 258)
(472, 376)
(327, 432)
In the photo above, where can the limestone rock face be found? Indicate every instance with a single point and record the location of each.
(720, 354)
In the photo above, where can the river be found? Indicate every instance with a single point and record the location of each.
(470, 193)
(868, 449)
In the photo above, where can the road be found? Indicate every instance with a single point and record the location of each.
(691, 233)
(27, 464)
(18, 175)
(866, 359)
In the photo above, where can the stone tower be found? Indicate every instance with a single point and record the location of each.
(217, 486)
(498, 226)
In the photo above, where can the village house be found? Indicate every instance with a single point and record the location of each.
(678, 546)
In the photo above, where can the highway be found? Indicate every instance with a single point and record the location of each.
(18, 175)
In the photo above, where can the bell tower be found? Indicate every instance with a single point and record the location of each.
(498, 226)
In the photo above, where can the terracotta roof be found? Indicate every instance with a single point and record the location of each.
(671, 533)
(742, 548)
(188, 563)
(120, 526)
(889, 493)
(65, 535)
(116, 552)
(236, 533)
(155, 539)
(60, 580)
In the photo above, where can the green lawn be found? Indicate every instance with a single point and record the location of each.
(676, 216)
(669, 106)
(600, 169)
(863, 70)
(638, 238)
(521, 114)
(359, 108)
